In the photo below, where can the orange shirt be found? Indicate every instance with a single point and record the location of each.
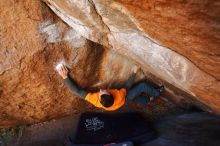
(118, 95)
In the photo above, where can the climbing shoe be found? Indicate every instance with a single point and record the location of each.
(161, 88)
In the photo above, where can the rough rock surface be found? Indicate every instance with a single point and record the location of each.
(178, 42)
(33, 39)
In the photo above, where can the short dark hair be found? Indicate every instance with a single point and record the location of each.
(106, 100)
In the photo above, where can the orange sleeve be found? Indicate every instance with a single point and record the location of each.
(123, 91)
(92, 98)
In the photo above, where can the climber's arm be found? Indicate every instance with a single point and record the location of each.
(131, 79)
(75, 88)
(63, 71)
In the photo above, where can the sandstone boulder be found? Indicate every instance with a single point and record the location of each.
(176, 43)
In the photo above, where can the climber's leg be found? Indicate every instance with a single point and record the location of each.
(142, 88)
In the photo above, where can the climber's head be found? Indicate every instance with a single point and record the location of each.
(105, 98)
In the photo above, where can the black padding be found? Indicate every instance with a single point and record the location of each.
(103, 128)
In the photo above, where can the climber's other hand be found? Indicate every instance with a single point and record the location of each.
(136, 68)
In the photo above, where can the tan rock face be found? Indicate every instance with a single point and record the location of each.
(33, 39)
(190, 28)
(177, 42)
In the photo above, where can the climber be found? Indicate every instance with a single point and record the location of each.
(114, 98)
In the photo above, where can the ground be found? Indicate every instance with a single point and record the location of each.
(55, 132)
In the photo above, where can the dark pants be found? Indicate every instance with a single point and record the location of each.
(135, 92)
